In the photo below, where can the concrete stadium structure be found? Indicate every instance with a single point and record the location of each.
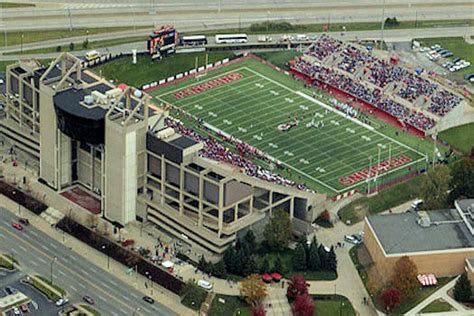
(109, 145)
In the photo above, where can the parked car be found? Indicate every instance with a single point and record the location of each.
(416, 204)
(10, 290)
(88, 299)
(16, 311)
(447, 54)
(62, 302)
(456, 59)
(24, 308)
(469, 76)
(128, 242)
(148, 299)
(435, 46)
(424, 49)
(205, 284)
(24, 221)
(351, 239)
(17, 226)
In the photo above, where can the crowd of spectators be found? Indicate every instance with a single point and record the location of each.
(379, 72)
(371, 96)
(216, 151)
(323, 47)
(442, 102)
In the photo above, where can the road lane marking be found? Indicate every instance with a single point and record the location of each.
(93, 270)
(70, 270)
(62, 273)
(22, 248)
(44, 247)
(81, 285)
(42, 260)
(73, 288)
(113, 283)
(53, 245)
(34, 233)
(33, 262)
(102, 298)
(126, 297)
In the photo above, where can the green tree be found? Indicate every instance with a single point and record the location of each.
(434, 187)
(71, 46)
(314, 262)
(404, 276)
(59, 48)
(265, 266)
(323, 257)
(299, 258)
(462, 184)
(229, 259)
(462, 289)
(278, 265)
(85, 43)
(278, 231)
(249, 266)
(219, 269)
(250, 241)
(331, 260)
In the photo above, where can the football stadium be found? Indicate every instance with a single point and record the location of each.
(283, 124)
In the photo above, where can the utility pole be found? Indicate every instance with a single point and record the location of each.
(52, 263)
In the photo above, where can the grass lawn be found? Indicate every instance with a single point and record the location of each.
(232, 305)
(193, 296)
(9, 5)
(288, 269)
(330, 305)
(279, 58)
(388, 198)
(461, 137)
(458, 46)
(261, 99)
(14, 38)
(78, 46)
(437, 306)
(147, 70)
(46, 291)
(93, 311)
(6, 263)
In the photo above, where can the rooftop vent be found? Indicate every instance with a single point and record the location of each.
(423, 219)
(88, 99)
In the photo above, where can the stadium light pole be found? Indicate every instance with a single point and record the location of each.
(382, 24)
(370, 167)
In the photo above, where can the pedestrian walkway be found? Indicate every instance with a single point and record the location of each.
(276, 303)
(442, 293)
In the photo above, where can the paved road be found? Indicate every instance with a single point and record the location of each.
(389, 35)
(193, 14)
(35, 251)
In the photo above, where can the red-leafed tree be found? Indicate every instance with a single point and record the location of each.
(303, 306)
(390, 298)
(325, 216)
(258, 310)
(297, 285)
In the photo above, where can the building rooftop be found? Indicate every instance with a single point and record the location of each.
(401, 233)
(3, 86)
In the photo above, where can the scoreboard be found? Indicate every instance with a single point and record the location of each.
(162, 41)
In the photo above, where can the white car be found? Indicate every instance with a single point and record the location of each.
(16, 311)
(435, 46)
(205, 284)
(351, 239)
(424, 49)
(61, 302)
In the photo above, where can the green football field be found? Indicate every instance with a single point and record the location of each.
(258, 99)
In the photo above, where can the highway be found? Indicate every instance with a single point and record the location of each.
(35, 251)
(194, 14)
(389, 35)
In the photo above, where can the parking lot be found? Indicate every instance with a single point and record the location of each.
(38, 305)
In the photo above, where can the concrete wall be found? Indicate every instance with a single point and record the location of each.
(48, 138)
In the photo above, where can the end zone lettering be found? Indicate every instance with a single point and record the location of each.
(373, 170)
(207, 85)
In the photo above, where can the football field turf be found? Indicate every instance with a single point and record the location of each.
(249, 101)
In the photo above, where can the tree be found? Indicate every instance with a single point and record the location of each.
(265, 266)
(314, 262)
(249, 266)
(71, 46)
(219, 269)
(229, 259)
(297, 285)
(303, 306)
(202, 264)
(299, 258)
(85, 43)
(323, 257)
(434, 188)
(59, 48)
(250, 241)
(258, 310)
(325, 216)
(331, 261)
(462, 174)
(278, 231)
(390, 298)
(404, 276)
(462, 289)
(278, 265)
(253, 289)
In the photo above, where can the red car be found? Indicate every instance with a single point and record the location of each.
(128, 242)
(17, 226)
(88, 299)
